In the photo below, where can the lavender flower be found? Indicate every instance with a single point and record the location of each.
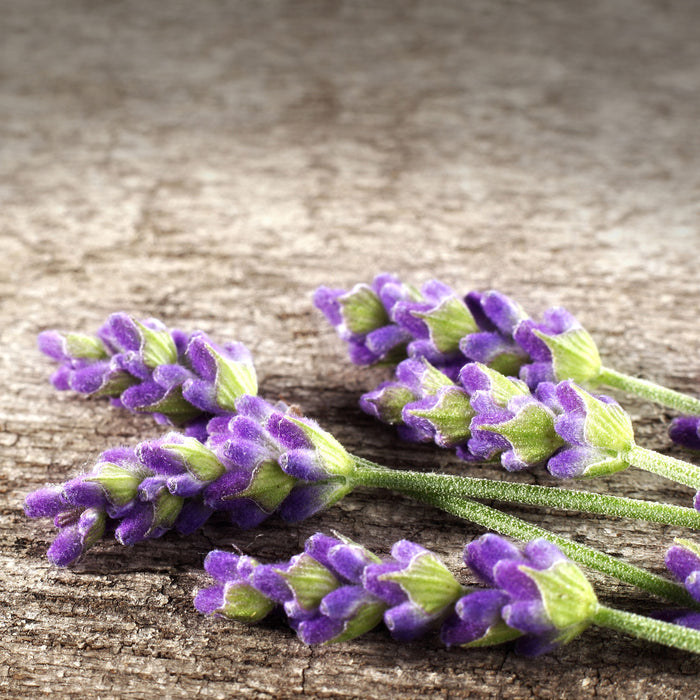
(424, 404)
(417, 588)
(597, 430)
(683, 561)
(180, 378)
(388, 320)
(320, 590)
(685, 431)
(509, 420)
(537, 595)
(265, 459)
(560, 348)
(362, 318)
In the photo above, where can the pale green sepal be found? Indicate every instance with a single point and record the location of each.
(173, 405)
(496, 634)
(120, 484)
(89, 347)
(96, 530)
(608, 426)
(362, 310)
(269, 485)
(390, 402)
(428, 583)
(166, 509)
(244, 603)
(574, 355)
(530, 432)
(503, 389)
(450, 416)
(309, 580)
(367, 617)
(157, 347)
(331, 453)
(448, 323)
(432, 379)
(233, 380)
(605, 466)
(118, 382)
(199, 460)
(694, 547)
(568, 597)
(508, 363)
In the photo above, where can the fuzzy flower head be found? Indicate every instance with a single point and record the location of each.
(508, 419)
(685, 431)
(683, 561)
(320, 590)
(598, 431)
(560, 349)
(264, 460)
(537, 595)
(147, 368)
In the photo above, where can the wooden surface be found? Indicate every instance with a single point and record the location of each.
(211, 163)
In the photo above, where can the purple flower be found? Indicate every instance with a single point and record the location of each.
(417, 588)
(320, 591)
(146, 368)
(423, 403)
(685, 431)
(265, 459)
(683, 561)
(508, 419)
(560, 348)
(362, 318)
(597, 430)
(536, 594)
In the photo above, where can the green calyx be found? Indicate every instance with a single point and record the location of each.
(233, 380)
(244, 603)
(428, 583)
(432, 379)
(448, 323)
(199, 460)
(498, 633)
(334, 457)
(530, 432)
(269, 485)
(390, 402)
(366, 617)
(157, 347)
(166, 508)
(574, 355)
(309, 580)
(175, 406)
(568, 597)
(608, 426)
(120, 484)
(501, 388)
(363, 310)
(89, 347)
(450, 416)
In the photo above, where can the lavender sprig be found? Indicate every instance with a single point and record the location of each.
(495, 332)
(265, 459)
(181, 378)
(337, 590)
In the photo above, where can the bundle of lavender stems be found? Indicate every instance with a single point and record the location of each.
(476, 375)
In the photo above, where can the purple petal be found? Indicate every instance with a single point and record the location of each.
(407, 622)
(193, 515)
(209, 600)
(318, 629)
(475, 614)
(685, 430)
(682, 562)
(528, 616)
(66, 548)
(223, 566)
(45, 503)
(482, 555)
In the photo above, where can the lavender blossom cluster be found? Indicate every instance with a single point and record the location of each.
(264, 459)
(337, 590)
(181, 378)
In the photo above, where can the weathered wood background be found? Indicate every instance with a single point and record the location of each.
(211, 163)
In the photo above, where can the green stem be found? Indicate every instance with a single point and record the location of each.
(648, 390)
(511, 526)
(647, 628)
(670, 467)
(371, 474)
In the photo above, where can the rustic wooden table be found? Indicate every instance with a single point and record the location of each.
(211, 164)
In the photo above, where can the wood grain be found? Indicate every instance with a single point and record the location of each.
(211, 164)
